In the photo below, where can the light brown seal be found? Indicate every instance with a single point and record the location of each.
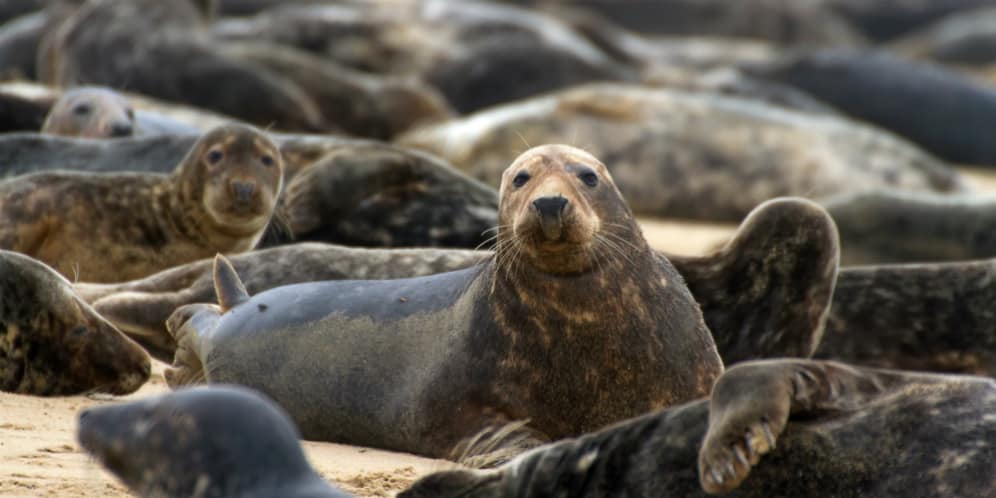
(54, 344)
(572, 284)
(116, 227)
(90, 112)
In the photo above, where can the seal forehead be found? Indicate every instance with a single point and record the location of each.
(556, 155)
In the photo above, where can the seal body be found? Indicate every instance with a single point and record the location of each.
(655, 145)
(90, 113)
(123, 226)
(497, 341)
(886, 226)
(772, 428)
(909, 98)
(934, 317)
(54, 344)
(208, 442)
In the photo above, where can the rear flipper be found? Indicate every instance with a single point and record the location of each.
(767, 292)
(751, 404)
(141, 316)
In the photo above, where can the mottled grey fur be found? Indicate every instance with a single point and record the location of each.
(691, 155)
(841, 431)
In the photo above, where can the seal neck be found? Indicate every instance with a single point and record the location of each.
(181, 206)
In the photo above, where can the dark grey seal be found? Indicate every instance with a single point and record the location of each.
(885, 226)
(936, 317)
(218, 442)
(945, 112)
(772, 428)
(54, 344)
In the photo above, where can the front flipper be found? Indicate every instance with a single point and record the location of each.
(767, 292)
(186, 325)
(751, 404)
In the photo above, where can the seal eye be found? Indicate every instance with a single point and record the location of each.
(266, 160)
(214, 156)
(589, 178)
(82, 109)
(520, 179)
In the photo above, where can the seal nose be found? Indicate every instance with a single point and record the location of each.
(550, 207)
(121, 129)
(243, 190)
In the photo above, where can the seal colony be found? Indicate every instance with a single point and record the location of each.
(557, 294)
(115, 227)
(54, 344)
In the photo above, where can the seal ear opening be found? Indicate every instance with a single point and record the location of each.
(228, 287)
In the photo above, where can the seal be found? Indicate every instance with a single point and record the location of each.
(763, 295)
(772, 428)
(964, 40)
(653, 140)
(893, 87)
(194, 443)
(54, 344)
(887, 226)
(936, 317)
(375, 195)
(90, 112)
(573, 282)
(95, 44)
(117, 227)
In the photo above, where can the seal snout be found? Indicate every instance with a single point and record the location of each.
(242, 191)
(550, 210)
(120, 129)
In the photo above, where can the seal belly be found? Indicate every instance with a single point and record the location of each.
(347, 358)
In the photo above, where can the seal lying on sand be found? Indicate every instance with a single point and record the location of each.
(666, 165)
(119, 227)
(54, 344)
(772, 428)
(936, 317)
(219, 442)
(884, 226)
(765, 294)
(90, 112)
(573, 282)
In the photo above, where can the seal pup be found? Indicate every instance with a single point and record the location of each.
(216, 442)
(90, 112)
(935, 317)
(573, 282)
(653, 141)
(116, 227)
(763, 295)
(772, 428)
(886, 226)
(54, 344)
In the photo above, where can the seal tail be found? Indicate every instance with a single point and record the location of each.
(228, 286)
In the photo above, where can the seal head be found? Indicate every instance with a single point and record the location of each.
(222, 441)
(90, 112)
(53, 344)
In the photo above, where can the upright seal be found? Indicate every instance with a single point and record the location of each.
(574, 323)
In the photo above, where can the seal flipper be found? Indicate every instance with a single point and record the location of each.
(186, 325)
(228, 286)
(751, 404)
(767, 293)
(139, 316)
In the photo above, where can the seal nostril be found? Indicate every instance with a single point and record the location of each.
(243, 190)
(121, 129)
(550, 206)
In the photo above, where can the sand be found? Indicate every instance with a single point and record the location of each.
(39, 455)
